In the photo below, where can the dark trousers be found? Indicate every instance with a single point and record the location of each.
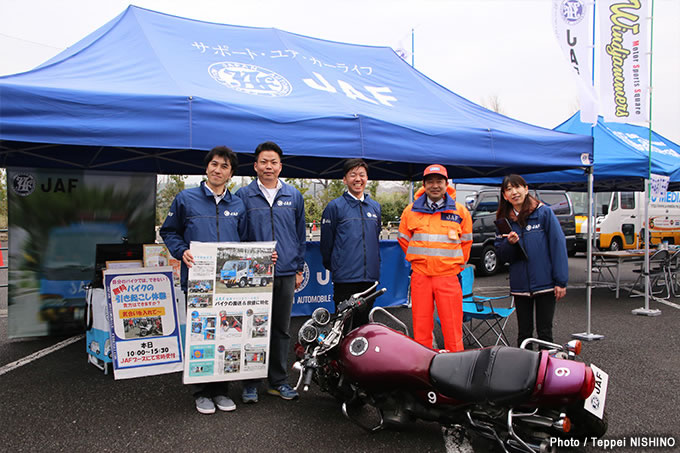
(343, 291)
(544, 306)
(210, 389)
(282, 304)
(279, 340)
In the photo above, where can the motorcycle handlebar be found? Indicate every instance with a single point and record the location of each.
(354, 302)
(365, 300)
(308, 379)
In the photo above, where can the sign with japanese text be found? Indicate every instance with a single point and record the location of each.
(144, 327)
(229, 298)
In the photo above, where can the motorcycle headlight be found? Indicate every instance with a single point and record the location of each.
(321, 316)
(308, 333)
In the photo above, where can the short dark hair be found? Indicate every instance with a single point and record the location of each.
(224, 152)
(268, 146)
(353, 163)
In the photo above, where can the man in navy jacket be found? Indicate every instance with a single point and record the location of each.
(276, 212)
(350, 238)
(208, 213)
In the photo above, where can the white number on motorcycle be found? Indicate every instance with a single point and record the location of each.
(562, 372)
(432, 397)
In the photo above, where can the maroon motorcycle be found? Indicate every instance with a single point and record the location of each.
(524, 400)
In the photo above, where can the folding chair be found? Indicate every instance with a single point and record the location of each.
(601, 267)
(480, 317)
(659, 263)
(673, 270)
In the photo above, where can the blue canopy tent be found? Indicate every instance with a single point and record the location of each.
(621, 159)
(621, 162)
(151, 92)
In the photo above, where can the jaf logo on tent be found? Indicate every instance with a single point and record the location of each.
(572, 11)
(250, 79)
(23, 184)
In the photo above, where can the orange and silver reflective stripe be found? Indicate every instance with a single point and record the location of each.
(429, 251)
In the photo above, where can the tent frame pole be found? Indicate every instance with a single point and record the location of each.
(588, 335)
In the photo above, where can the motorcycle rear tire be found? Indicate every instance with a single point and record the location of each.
(585, 424)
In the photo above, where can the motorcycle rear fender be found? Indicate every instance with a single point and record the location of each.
(561, 381)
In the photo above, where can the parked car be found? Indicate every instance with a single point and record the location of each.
(482, 201)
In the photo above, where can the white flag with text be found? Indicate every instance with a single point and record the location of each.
(624, 60)
(573, 26)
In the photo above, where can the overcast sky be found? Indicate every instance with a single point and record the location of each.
(476, 48)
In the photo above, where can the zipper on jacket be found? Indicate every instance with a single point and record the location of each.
(363, 235)
(217, 220)
(271, 215)
(526, 266)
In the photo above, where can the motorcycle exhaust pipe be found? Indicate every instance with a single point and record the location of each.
(544, 446)
(562, 423)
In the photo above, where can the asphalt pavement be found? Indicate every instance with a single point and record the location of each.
(59, 402)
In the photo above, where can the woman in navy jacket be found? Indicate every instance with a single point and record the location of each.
(538, 280)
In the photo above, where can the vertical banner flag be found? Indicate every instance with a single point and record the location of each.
(573, 26)
(624, 61)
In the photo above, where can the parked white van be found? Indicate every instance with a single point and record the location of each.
(622, 223)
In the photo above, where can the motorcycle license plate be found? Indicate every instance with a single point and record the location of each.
(595, 402)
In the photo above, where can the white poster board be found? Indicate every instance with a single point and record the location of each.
(145, 329)
(229, 298)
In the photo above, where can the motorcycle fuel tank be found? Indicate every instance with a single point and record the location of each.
(377, 356)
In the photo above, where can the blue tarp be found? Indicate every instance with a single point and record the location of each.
(621, 155)
(316, 289)
(151, 92)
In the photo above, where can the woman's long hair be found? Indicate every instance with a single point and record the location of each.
(505, 207)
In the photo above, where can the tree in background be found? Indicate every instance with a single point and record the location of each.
(165, 194)
(167, 191)
(493, 103)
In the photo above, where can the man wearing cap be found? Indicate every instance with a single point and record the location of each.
(436, 235)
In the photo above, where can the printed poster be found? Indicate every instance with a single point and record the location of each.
(229, 298)
(144, 326)
(56, 219)
(158, 255)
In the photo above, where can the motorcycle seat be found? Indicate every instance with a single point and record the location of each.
(498, 375)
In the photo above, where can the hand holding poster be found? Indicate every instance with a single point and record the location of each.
(144, 326)
(228, 310)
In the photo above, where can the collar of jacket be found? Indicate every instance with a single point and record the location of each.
(254, 190)
(208, 193)
(353, 201)
(420, 205)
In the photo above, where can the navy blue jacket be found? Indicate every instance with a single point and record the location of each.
(350, 239)
(284, 223)
(544, 242)
(194, 216)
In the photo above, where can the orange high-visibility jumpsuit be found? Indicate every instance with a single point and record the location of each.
(437, 244)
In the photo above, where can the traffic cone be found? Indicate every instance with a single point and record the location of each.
(314, 226)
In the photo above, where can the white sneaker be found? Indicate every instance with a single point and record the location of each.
(205, 405)
(224, 403)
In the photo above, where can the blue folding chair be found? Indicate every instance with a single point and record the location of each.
(480, 317)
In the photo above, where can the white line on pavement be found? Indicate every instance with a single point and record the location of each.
(36, 355)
